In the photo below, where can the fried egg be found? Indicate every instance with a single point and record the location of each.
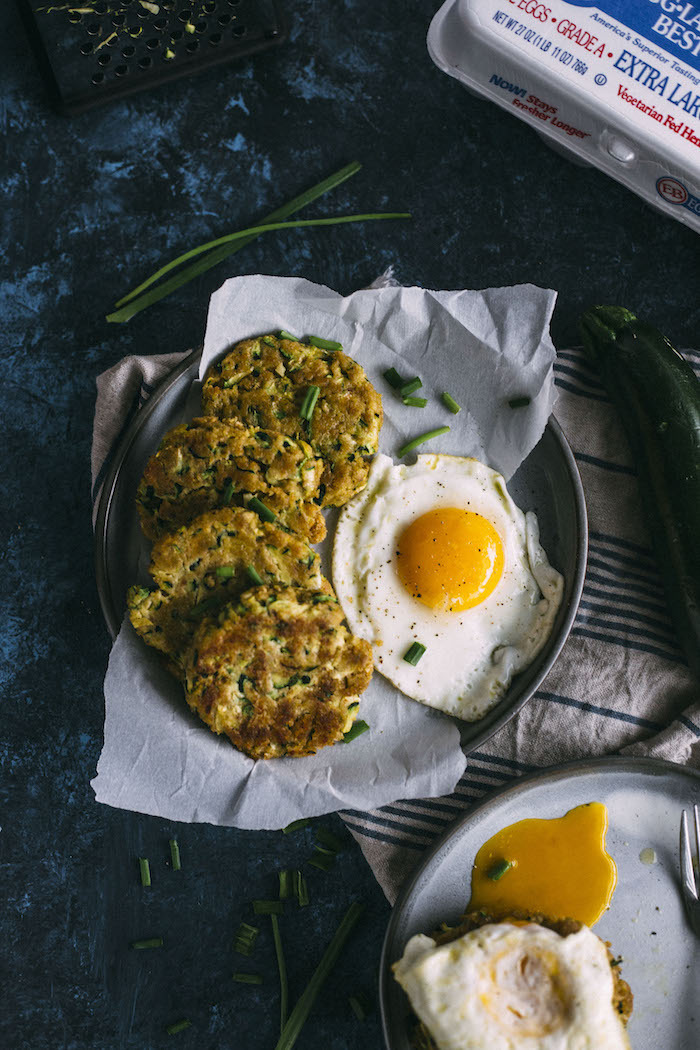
(437, 553)
(506, 985)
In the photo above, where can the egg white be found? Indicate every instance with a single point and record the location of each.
(471, 656)
(504, 986)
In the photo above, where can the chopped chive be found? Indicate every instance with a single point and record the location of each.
(359, 1006)
(325, 850)
(415, 402)
(301, 891)
(321, 859)
(393, 378)
(243, 947)
(145, 869)
(178, 1026)
(268, 907)
(296, 825)
(259, 507)
(247, 978)
(281, 966)
(309, 403)
(357, 729)
(409, 386)
(149, 942)
(308, 997)
(288, 335)
(519, 402)
(284, 884)
(246, 936)
(324, 344)
(227, 494)
(450, 403)
(414, 653)
(327, 838)
(197, 611)
(415, 442)
(175, 855)
(225, 572)
(245, 943)
(498, 869)
(253, 575)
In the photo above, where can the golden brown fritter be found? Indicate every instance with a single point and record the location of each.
(263, 381)
(278, 672)
(205, 564)
(622, 998)
(213, 462)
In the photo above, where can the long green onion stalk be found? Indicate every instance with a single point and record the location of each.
(308, 997)
(209, 254)
(282, 967)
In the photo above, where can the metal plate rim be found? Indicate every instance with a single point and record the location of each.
(109, 484)
(556, 642)
(577, 767)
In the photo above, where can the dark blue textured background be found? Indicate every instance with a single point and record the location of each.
(90, 206)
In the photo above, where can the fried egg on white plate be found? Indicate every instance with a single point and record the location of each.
(511, 985)
(437, 553)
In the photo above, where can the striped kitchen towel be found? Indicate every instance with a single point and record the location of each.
(620, 683)
(121, 392)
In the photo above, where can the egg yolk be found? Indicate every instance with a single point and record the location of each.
(450, 559)
(557, 868)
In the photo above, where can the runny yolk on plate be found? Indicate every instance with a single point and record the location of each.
(557, 868)
(450, 559)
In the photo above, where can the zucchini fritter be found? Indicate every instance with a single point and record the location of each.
(212, 463)
(205, 564)
(277, 672)
(263, 381)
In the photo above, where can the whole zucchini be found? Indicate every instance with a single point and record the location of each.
(658, 397)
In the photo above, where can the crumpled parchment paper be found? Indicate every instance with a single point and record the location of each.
(484, 348)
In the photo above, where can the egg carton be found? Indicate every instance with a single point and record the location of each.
(94, 51)
(611, 83)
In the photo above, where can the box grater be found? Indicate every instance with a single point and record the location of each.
(94, 51)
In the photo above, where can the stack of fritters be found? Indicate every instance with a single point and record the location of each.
(240, 609)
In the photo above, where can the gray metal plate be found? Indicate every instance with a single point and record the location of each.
(646, 922)
(548, 482)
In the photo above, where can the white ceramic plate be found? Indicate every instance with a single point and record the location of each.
(646, 922)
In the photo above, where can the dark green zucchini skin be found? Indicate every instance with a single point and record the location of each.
(658, 397)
